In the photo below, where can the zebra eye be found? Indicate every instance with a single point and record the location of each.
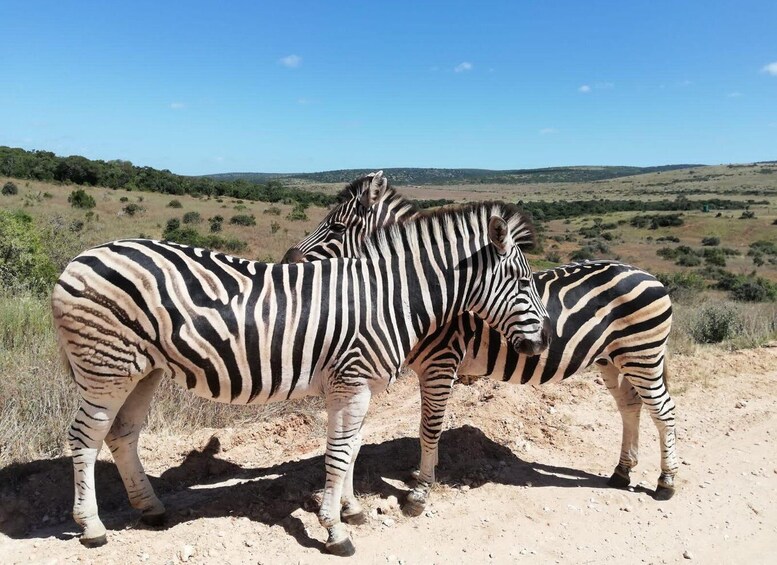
(337, 228)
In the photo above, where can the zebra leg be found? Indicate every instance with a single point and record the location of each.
(649, 381)
(345, 418)
(87, 432)
(629, 405)
(122, 439)
(435, 391)
(351, 510)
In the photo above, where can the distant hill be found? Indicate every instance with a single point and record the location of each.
(422, 176)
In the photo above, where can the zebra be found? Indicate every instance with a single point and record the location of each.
(242, 332)
(604, 312)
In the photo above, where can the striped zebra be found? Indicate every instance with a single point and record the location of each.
(604, 312)
(241, 332)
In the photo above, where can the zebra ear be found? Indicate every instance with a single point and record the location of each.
(373, 191)
(499, 235)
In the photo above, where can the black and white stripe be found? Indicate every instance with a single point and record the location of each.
(603, 312)
(242, 332)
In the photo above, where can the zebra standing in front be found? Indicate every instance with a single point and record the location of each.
(236, 331)
(603, 312)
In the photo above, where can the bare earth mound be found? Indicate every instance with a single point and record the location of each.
(522, 478)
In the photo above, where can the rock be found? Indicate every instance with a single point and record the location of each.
(388, 522)
(392, 501)
(687, 554)
(740, 404)
(186, 552)
(249, 543)
(599, 381)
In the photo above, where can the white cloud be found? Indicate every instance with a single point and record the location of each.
(548, 131)
(290, 61)
(462, 67)
(770, 69)
(585, 89)
(177, 105)
(303, 101)
(734, 94)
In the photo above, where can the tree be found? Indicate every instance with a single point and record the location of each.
(80, 199)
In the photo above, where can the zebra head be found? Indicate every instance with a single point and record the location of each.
(506, 296)
(365, 205)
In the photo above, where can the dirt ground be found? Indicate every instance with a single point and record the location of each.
(522, 479)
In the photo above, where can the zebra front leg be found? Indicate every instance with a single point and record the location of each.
(652, 388)
(346, 410)
(122, 439)
(435, 392)
(91, 424)
(629, 406)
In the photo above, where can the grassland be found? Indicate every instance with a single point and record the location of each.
(36, 396)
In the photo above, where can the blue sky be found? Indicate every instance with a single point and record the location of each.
(201, 87)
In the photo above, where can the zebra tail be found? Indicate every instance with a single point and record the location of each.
(666, 374)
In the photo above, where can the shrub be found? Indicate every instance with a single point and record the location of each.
(655, 221)
(710, 241)
(123, 199)
(298, 213)
(670, 238)
(175, 204)
(24, 261)
(755, 289)
(274, 227)
(275, 211)
(133, 208)
(80, 199)
(192, 218)
(686, 260)
(216, 223)
(243, 220)
(679, 283)
(747, 215)
(10, 188)
(714, 323)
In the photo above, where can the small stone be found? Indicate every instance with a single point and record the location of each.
(464, 488)
(687, 554)
(249, 543)
(625, 509)
(145, 557)
(739, 404)
(388, 522)
(392, 501)
(186, 552)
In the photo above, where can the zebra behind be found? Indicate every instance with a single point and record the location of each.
(129, 312)
(603, 312)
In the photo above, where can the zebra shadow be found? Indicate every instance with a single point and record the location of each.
(36, 498)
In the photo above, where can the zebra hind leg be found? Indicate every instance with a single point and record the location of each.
(351, 510)
(629, 406)
(650, 383)
(122, 439)
(90, 426)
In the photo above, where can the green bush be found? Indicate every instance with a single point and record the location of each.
(686, 260)
(124, 199)
(274, 227)
(24, 262)
(175, 204)
(216, 223)
(710, 241)
(747, 215)
(273, 211)
(684, 282)
(243, 220)
(80, 199)
(10, 188)
(655, 221)
(714, 323)
(298, 213)
(133, 209)
(192, 218)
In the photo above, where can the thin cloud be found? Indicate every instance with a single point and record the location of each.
(770, 69)
(290, 61)
(585, 89)
(733, 94)
(462, 67)
(177, 105)
(548, 131)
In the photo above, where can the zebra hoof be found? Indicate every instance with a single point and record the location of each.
(153, 520)
(356, 519)
(413, 508)
(663, 493)
(619, 481)
(343, 548)
(93, 542)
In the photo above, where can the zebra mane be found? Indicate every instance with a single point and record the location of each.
(469, 220)
(404, 205)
